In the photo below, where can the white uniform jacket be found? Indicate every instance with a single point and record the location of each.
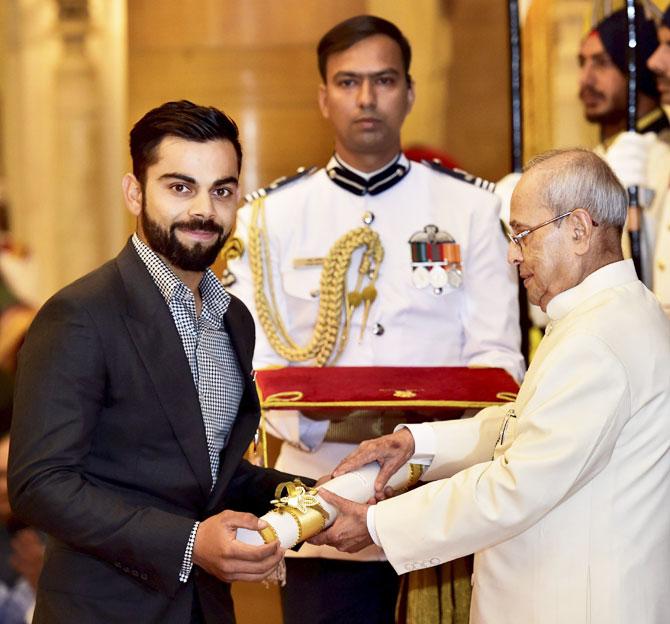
(563, 495)
(476, 323)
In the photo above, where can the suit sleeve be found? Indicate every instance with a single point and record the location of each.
(491, 310)
(564, 437)
(60, 390)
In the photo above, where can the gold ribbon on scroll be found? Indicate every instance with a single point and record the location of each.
(301, 503)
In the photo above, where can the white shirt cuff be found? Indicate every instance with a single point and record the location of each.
(424, 442)
(371, 525)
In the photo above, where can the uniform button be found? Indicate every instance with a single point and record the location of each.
(661, 265)
(314, 294)
(135, 573)
(378, 329)
(368, 217)
(126, 569)
(117, 564)
(144, 576)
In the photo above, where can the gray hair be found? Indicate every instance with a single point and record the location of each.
(579, 178)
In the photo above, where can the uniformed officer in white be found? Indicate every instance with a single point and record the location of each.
(445, 299)
(640, 158)
(562, 494)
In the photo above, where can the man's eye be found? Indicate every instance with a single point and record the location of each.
(346, 82)
(385, 80)
(180, 188)
(223, 192)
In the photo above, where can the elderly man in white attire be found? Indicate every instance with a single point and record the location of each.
(563, 494)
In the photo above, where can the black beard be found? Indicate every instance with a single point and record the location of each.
(165, 243)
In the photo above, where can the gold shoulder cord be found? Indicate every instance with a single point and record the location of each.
(333, 291)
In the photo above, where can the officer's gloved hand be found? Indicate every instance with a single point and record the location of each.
(628, 157)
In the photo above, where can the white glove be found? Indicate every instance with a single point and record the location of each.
(628, 157)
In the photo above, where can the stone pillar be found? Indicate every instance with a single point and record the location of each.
(64, 123)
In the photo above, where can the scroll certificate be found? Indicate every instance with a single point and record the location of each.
(302, 513)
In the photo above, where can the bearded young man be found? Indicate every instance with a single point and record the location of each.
(135, 402)
(640, 158)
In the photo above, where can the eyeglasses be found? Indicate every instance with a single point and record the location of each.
(517, 238)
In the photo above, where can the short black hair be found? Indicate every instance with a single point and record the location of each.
(349, 32)
(181, 119)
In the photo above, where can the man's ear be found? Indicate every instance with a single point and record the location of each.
(581, 231)
(323, 100)
(132, 193)
(411, 96)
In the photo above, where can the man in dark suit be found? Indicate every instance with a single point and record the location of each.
(135, 402)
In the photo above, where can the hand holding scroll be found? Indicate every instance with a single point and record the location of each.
(218, 552)
(389, 451)
(349, 532)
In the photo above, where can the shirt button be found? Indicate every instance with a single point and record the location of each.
(368, 217)
(378, 329)
(135, 573)
(661, 265)
(144, 576)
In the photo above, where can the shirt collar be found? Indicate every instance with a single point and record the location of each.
(372, 183)
(215, 299)
(609, 276)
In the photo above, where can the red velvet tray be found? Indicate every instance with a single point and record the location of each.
(382, 388)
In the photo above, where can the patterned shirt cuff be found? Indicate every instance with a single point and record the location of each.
(187, 563)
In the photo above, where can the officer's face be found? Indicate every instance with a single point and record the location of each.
(602, 87)
(544, 257)
(366, 97)
(187, 207)
(659, 63)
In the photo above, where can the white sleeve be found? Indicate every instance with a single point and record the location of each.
(491, 310)
(564, 436)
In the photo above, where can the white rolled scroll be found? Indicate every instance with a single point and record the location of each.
(302, 513)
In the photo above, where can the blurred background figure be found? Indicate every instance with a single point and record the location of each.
(21, 552)
(640, 158)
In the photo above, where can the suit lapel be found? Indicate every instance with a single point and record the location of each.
(153, 331)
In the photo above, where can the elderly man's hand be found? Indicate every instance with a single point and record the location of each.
(390, 452)
(349, 532)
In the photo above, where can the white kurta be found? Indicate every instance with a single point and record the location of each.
(565, 503)
(474, 324)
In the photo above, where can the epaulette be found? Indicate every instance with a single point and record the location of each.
(278, 183)
(461, 175)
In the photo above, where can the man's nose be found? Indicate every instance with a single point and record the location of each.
(586, 75)
(514, 255)
(653, 62)
(367, 98)
(202, 206)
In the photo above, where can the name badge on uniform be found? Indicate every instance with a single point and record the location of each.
(436, 260)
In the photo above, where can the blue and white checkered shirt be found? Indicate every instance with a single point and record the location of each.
(211, 357)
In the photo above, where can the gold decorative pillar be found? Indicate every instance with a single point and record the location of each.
(64, 122)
